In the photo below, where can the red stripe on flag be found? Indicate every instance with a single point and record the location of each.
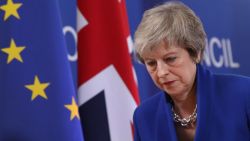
(103, 41)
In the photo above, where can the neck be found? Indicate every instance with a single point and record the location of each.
(185, 106)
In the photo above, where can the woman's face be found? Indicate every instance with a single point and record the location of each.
(171, 69)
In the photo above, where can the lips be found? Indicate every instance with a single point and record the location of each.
(168, 83)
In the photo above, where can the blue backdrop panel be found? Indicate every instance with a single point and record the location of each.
(227, 26)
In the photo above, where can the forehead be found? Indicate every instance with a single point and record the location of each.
(160, 49)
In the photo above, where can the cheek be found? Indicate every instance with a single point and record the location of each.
(183, 75)
(154, 78)
(151, 74)
(188, 76)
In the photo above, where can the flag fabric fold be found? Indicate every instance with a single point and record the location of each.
(107, 89)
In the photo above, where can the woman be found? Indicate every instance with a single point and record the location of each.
(194, 104)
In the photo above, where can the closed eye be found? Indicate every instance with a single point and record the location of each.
(150, 63)
(170, 59)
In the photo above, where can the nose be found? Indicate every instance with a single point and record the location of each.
(162, 69)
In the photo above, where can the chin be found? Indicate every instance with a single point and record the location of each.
(173, 92)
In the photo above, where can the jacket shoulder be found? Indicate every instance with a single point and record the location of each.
(149, 106)
(233, 81)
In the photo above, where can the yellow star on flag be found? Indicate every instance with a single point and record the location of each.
(37, 88)
(73, 108)
(11, 9)
(13, 52)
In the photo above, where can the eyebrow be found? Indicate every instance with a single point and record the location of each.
(166, 55)
(170, 53)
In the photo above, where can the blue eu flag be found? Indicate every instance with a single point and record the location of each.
(37, 95)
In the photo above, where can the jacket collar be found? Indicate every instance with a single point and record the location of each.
(165, 129)
(204, 89)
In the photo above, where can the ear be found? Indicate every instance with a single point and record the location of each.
(198, 59)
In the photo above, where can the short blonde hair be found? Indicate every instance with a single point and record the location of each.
(173, 23)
